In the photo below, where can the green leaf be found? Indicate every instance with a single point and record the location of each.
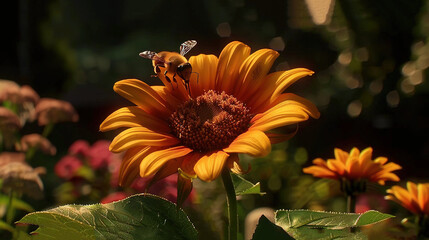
(305, 224)
(268, 230)
(6, 226)
(16, 203)
(243, 187)
(141, 216)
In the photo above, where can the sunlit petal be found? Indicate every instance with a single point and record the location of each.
(252, 142)
(141, 136)
(154, 161)
(204, 76)
(210, 166)
(230, 60)
(142, 95)
(133, 117)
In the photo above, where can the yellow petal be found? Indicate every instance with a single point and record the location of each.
(275, 83)
(230, 60)
(365, 156)
(170, 100)
(204, 78)
(423, 197)
(189, 162)
(168, 169)
(284, 113)
(412, 189)
(278, 138)
(210, 166)
(132, 117)
(320, 162)
(154, 161)
(130, 164)
(381, 160)
(341, 155)
(336, 166)
(142, 95)
(320, 172)
(252, 142)
(352, 158)
(288, 78)
(141, 136)
(253, 71)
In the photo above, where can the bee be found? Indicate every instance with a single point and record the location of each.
(173, 62)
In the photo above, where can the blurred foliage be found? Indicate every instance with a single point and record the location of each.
(370, 59)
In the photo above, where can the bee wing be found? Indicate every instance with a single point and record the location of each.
(150, 55)
(187, 46)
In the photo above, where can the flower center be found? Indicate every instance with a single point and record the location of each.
(209, 122)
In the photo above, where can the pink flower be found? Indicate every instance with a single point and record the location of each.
(67, 167)
(366, 202)
(99, 155)
(79, 147)
(113, 197)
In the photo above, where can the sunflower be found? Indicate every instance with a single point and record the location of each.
(354, 167)
(415, 198)
(231, 105)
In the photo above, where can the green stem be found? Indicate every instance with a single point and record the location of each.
(423, 231)
(232, 204)
(351, 203)
(48, 129)
(9, 208)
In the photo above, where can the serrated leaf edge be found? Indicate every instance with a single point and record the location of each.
(359, 215)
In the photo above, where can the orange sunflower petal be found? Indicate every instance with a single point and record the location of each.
(230, 60)
(336, 166)
(288, 78)
(133, 117)
(168, 169)
(142, 95)
(365, 156)
(275, 83)
(423, 196)
(130, 164)
(189, 162)
(402, 196)
(318, 171)
(154, 161)
(204, 78)
(278, 137)
(210, 166)
(412, 189)
(253, 71)
(284, 113)
(341, 155)
(170, 100)
(252, 142)
(141, 136)
(320, 162)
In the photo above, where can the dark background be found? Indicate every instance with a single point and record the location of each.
(76, 50)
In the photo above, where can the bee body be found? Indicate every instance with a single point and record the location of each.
(174, 63)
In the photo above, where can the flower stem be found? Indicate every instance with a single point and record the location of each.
(351, 203)
(232, 204)
(10, 212)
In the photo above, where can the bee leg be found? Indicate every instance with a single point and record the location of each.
(168, 79)
(198, 75)
(174, 79)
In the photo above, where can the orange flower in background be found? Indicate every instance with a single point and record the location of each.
(231, 104)
(415, 198)
(355, 165)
